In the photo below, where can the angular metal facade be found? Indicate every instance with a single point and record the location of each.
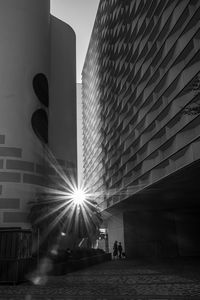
(141, 72)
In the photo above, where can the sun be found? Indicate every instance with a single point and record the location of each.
(78, 196)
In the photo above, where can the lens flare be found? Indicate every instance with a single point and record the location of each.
(64, 207)
(78, 196)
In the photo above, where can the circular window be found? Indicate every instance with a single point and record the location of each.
(39, 123)
(41, 88)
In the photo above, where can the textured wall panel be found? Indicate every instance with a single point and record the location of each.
(9, 203)
(14, 217)
(45, 170)
(2, 139)
(20, 165)
(34, 179)
(10, 177)
(10, 151)
(1, 163)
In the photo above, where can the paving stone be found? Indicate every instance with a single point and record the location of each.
(120, 280)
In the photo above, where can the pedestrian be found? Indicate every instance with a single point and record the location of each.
(115, 250)
(120, 250)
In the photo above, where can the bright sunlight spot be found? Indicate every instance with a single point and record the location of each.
(78, 196)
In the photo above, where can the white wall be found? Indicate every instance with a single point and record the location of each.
(62, 110)
(79, 133)
(24, 52)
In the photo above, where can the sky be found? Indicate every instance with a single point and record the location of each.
(80, 15)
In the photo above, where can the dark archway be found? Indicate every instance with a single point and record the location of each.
(41, 88)
(39, 123)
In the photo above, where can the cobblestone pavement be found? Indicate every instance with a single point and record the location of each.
(122, 279)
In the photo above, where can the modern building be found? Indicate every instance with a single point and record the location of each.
(38, 104)
(79, 133)
(141, 151)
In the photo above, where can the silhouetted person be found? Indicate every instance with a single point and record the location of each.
(120, 250)
(115, 250)
(69, 252)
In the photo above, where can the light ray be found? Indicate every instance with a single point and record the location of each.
(65, 205)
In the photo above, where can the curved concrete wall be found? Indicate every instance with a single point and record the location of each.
(62, 109)
(24, 52)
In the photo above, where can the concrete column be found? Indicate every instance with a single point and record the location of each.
(187, 228)
(62, 110)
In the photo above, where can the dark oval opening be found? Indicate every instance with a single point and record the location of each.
(39, 123)
(41, 88)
